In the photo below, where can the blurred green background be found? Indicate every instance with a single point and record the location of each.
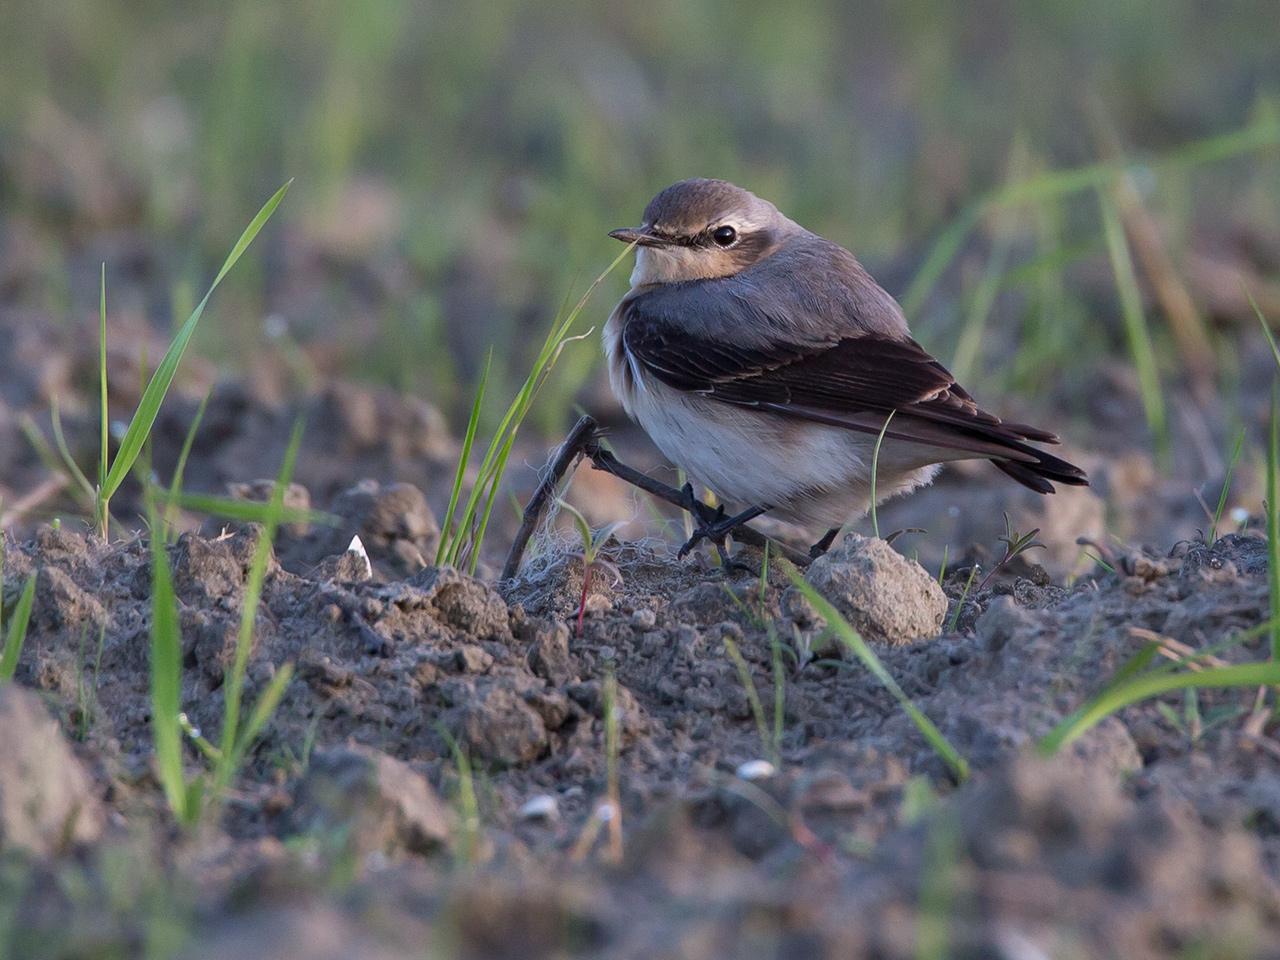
(458, 164)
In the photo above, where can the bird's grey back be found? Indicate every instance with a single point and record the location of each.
(808, 290)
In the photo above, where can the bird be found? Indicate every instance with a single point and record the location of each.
(766, 362)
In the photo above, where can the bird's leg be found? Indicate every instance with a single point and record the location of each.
(584, 439)
(718, 526)
(823, 545)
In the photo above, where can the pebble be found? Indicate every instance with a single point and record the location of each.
(542, 807)
(755, 770)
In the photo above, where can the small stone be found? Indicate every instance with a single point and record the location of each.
(644, 619)
(755, 770)
(885, 596)
(469, 658)
(540, 808)
(46, 797)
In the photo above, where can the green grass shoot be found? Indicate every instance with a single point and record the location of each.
(234, 742)
(767, 741)
(104, 415)
(1226, 487)
(1135, 689)
(16, 635)
(847, 635)
(465, 534)
(139, 429)
(875, 472)
(964, 595)
(1135, 326)
(179, 470)
(184, 797)
(464, 458)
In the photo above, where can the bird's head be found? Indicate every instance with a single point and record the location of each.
(701, 229)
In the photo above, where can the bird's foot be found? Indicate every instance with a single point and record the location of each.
(823, 545)
(714, 526)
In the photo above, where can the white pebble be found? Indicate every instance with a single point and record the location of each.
(755, 770)
(541, 807)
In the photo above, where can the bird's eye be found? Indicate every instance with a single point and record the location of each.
(724, 236)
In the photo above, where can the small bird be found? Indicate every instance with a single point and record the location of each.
(765, 361)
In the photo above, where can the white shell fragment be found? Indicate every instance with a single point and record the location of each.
(755, 770)
(541, 807)
(358, 549)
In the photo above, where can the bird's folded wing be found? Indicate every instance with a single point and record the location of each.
(853, 382)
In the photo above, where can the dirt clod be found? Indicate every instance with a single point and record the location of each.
(887, 597)
(47, 800)
(376, 803)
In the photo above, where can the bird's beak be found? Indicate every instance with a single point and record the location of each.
(637, 235)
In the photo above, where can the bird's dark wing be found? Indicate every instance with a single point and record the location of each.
(850, 382)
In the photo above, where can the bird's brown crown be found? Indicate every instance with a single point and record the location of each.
(689, 206)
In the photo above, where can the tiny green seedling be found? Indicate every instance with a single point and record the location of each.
(592, 542)
(1015, 544)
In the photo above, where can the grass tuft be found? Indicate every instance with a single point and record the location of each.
(462, 537)
(189, 799)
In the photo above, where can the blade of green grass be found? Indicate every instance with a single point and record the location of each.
(467, 533)
(144, 417)
(17, 634)
(1116, 697)
(1226, 486)
(248, 511)
(104, 418)
(175, 485)
(166, 682)
(1266, 328)
(1135, 325)
(753, 698)
(464, 459)
(850, 637)
(64, 451)
(980, 306)
(875, 472)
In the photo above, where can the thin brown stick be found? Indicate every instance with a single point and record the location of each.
(574, 446)
(584, 440)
